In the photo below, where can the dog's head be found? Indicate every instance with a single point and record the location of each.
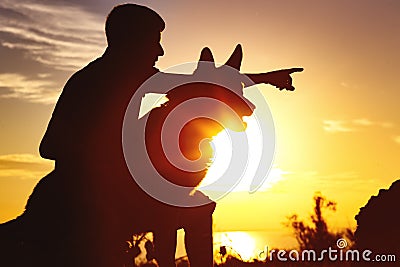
(194, 113)
(222, 84)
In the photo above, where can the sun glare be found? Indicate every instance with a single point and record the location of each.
(222, 145)
(240, 243)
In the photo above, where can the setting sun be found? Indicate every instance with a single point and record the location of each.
(240, 243)
(223, 146)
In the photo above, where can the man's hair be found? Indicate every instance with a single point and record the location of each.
(131, 21)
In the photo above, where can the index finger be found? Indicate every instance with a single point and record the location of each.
(295, 70)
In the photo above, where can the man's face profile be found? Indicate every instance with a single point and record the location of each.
(149, 49)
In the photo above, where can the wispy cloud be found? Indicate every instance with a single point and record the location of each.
(342, 180)
(345, 176)
(348, 85)
(368, 122)
(43, 43)
(64, 38)
(38, 90)
(363, 122)
(24, 166)
(335, 126)
(387, 124)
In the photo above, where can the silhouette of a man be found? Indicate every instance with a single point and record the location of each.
(84, 138)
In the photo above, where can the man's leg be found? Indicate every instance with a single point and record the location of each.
(197, 223)
(165, 246)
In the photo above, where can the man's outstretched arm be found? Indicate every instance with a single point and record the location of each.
(279, 78)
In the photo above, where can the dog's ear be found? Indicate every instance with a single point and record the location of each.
(206, 55)
(235, 60)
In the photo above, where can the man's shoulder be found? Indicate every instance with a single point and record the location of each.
(76, 88)
(90, 72)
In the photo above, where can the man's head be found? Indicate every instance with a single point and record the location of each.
(136, 29)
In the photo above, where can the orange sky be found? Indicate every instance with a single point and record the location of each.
(338, 133)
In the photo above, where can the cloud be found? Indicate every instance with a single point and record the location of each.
(348, 85)
(335, 126)
(13, 15)
(43, 42)
(63, 38)
(340, 176)
(367, 122)
(24, 166)
(363, 122)
(342, 180)
(344, 84)
(387, 125)
(37, 90)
